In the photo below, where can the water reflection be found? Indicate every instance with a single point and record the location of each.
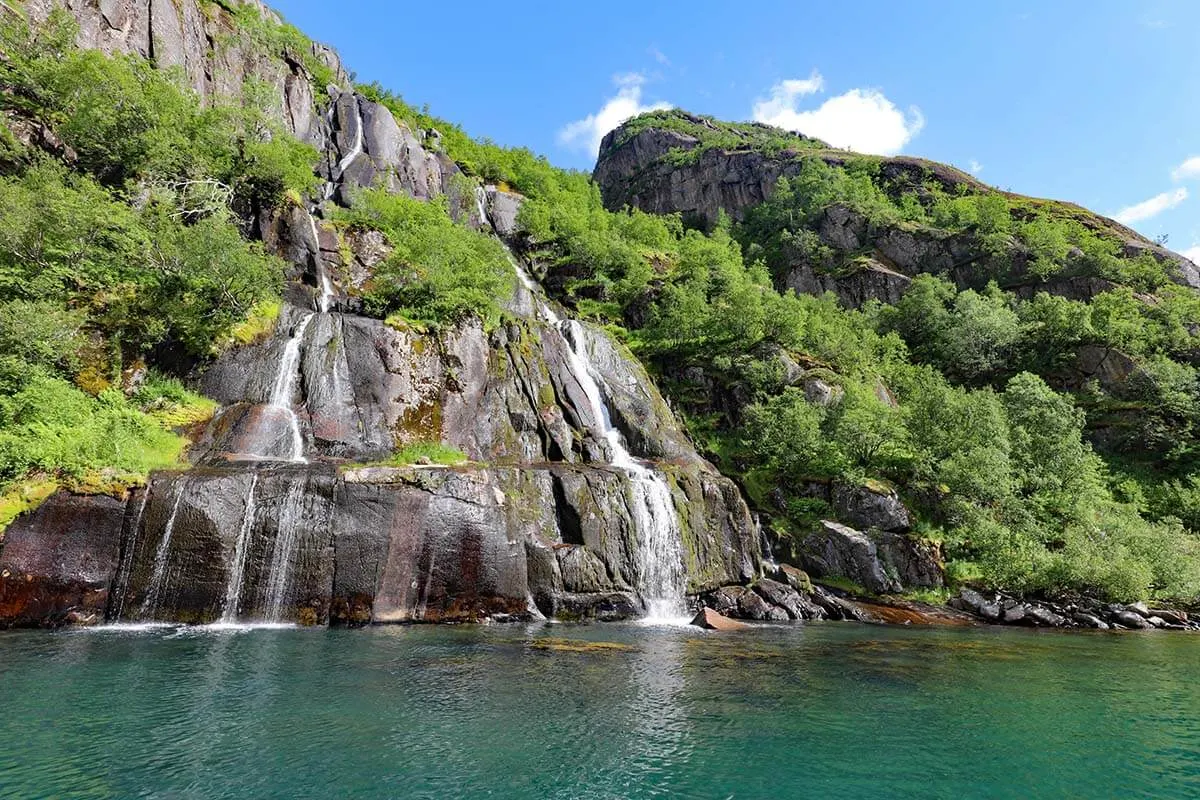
(597, 712)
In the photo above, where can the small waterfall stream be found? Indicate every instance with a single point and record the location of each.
(661, 579)
(287, 536)
(237, 570)
(355, 149)
(285, 381)
(125, 570)
(325, 299)
(150, 602)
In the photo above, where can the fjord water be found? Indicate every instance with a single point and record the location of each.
(837, 711)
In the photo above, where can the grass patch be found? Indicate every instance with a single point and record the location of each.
(24, 497)
(424, 452)
(257, 325)
(933, 597)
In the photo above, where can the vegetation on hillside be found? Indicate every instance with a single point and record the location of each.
(437, 270)
(947, 395)
(711, 133)
(126, 245)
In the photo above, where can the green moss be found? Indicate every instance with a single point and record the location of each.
(422, 422)
(23, 497)
(424, 452)
(257, 325)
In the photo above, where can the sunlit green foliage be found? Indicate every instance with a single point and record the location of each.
(437, 271)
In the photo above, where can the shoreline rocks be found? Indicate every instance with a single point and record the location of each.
(999, 609)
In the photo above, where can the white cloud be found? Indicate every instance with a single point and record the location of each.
(860, 119)
(975, 167)
(1190, 168)
(660, 56)
(1152, 207)
(1192, 254)
(585, 134)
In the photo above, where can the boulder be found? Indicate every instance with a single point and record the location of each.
(724, 600)
(835, 550)
(796, 578)
(1016, 614)
(1089, 621)
(1174, 617)
(752, 606)
(781, 596)
(1132, 619)
(973, 602)
(1044, 617)
(866, 507)
(836, 607)
(715, 621)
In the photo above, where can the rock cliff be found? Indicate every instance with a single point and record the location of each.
(664, 170)
(575, 466)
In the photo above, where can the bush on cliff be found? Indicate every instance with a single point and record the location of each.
(438, 271)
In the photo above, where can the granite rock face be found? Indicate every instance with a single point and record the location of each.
(879, 561)
(59, 561)
(204, 41)
(281, 519)
(873, 261)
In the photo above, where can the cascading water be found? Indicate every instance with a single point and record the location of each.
(325, 300)
(233, 587)
(355, 149)
(287, 535)
(158, 575)
(121, 584)
(661, 578)
(285, 380)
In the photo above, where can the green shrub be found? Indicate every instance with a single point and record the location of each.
(438, 271)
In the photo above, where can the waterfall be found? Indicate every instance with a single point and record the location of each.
(287, 535)
(285, 379)
(481, 207)
(325, 301)
(357, 148)
(121, 584)
(661, 579)
(150, 603)
(769, 565)
(233, 587)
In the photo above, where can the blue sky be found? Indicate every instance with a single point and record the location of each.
(1094, 101)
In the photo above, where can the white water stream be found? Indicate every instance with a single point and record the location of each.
(150, 603)
(287, 536)
(661, 578)
(233, 587)
(325, 300)
(356, 148)
(285, 381)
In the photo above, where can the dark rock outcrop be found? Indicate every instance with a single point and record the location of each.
(59, 561)
(869, 507)
(835, 550)
(1000, 609)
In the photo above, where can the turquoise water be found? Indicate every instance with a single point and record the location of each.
(832, 711)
